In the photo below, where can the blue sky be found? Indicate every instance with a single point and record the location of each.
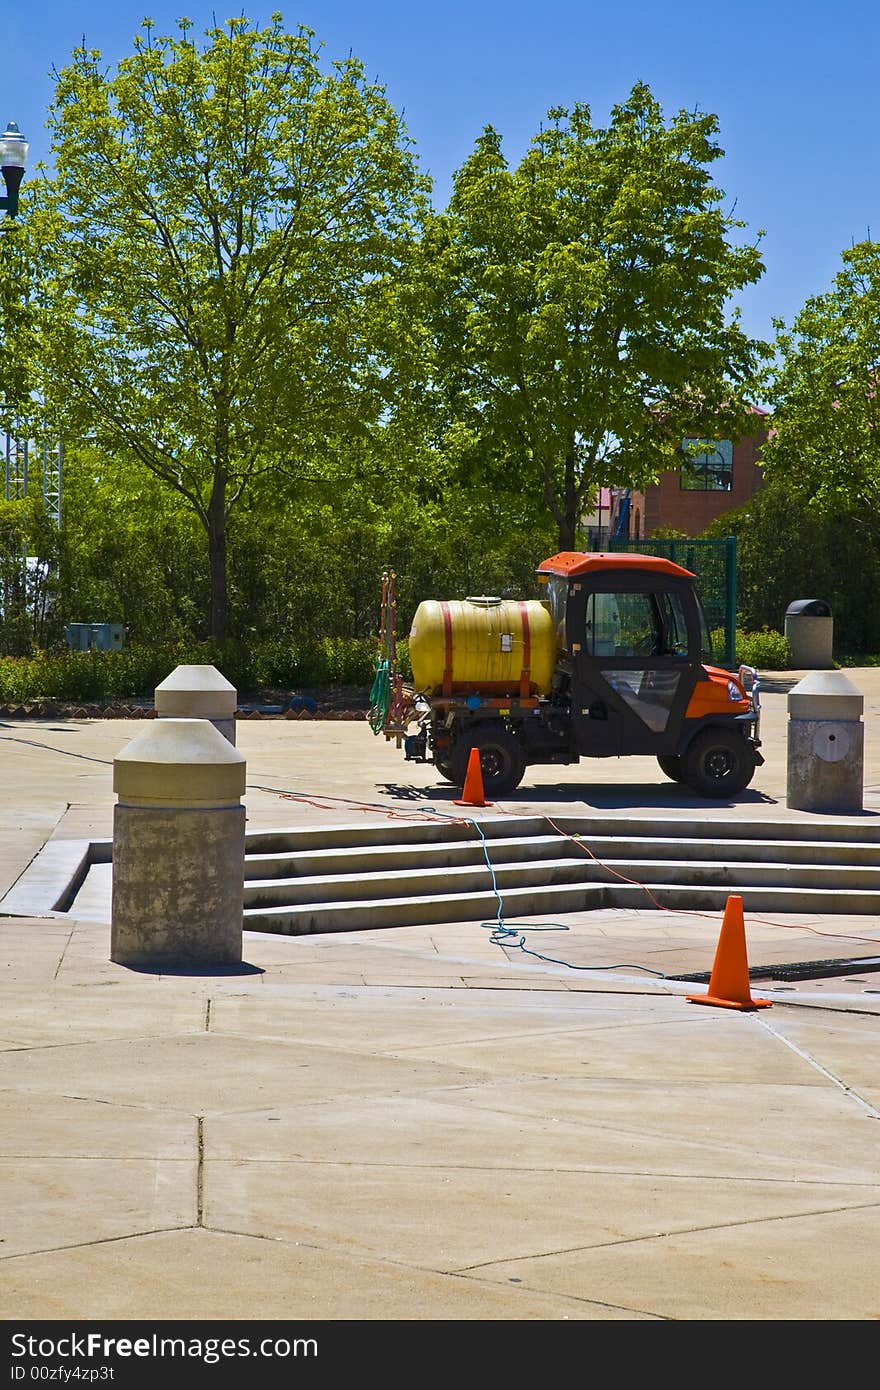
(794, 86)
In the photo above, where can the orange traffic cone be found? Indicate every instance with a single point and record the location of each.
(472, 793)
(729, 981)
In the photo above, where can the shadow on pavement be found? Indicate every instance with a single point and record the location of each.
(402, 791)
(644, 794)
(186, 971)
(778, 685)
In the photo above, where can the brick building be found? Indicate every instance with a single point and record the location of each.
(701, 488)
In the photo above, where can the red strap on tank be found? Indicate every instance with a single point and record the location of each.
(525, 675)
(447, 635)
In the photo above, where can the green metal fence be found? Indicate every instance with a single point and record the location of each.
(714, 564)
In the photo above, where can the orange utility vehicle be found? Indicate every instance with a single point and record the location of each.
(615, 660)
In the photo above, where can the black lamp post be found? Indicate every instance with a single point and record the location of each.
(13, 154)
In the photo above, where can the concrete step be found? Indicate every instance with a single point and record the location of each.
(445, 829)
(863, 830)
(537, 873)
(389, 858)
(355, 915)
(336, 878)
(519, 902)
(378, 858)
(425, 830)
(459, 878)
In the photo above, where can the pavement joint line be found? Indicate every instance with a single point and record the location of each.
(200, 1171)
(99, 1240)
(68, 752)
(677, 1234)
(806, 1056)
(70, 936)
(587, 1169)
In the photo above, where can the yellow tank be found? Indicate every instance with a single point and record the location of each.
(487, 646)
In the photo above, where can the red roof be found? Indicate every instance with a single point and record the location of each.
(569, 562)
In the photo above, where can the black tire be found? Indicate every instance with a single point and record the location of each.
(718, 762)
(444, 768)
(672, 767)
(501, 760)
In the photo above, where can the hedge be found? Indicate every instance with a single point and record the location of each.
(765, 650)
(135, 672)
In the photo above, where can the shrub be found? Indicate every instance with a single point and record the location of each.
(765, 650)
(350, 660)
(138, 669)
(403, 661)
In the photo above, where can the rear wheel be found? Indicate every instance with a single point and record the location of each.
(501, 760)
(672, 767)
(718, 762)
(444, 767)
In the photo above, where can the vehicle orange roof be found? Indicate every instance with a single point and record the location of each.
(570, 562)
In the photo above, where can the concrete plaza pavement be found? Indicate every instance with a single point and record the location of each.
(422, 1123)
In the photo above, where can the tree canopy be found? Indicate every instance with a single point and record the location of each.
(578, 304)
(277, 373)
(216, 249)
(826, 394)
(17, 325)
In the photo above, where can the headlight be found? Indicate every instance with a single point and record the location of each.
(734, 693)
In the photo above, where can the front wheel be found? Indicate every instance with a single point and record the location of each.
(502, 762)
(444, 768)
(718, 762)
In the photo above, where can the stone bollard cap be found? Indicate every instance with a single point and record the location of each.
(825, 695)
(195, 692)
(179, 762)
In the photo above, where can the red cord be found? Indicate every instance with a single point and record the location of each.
(692, 912)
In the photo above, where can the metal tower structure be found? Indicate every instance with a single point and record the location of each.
(53, 467)
(21, 459)
(17, 468)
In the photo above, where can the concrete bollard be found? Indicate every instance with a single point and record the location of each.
(198, 692)
(178, 847)
(826, 744)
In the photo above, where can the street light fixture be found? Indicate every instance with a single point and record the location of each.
(13, 155)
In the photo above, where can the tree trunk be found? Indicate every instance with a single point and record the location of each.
(219, 610)
(569, 524)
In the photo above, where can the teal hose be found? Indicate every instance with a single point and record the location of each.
(380, 697)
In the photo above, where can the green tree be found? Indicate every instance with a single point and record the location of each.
(131, 552)
(17, 326)
(217, 247)
(318, 571)
(825, 444)
(787, 549)
(29, 559)
(578, 305)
